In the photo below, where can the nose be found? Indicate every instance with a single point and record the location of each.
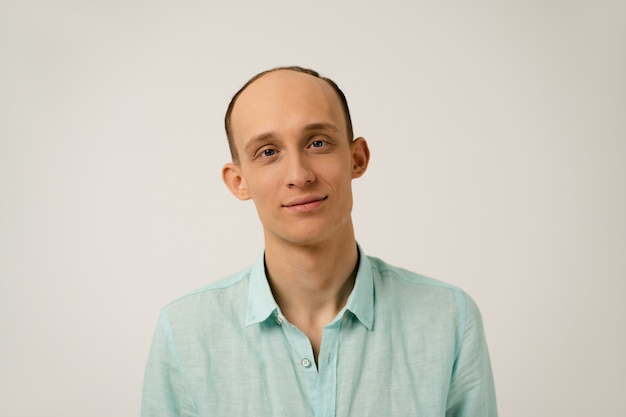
(299, 171)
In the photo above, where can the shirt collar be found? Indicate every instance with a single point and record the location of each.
(361, 300)
(261, 303)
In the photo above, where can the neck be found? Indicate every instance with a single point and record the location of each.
(312, 281)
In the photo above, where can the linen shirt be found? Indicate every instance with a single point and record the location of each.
(404, 345)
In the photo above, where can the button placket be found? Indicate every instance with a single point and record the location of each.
(298, 340)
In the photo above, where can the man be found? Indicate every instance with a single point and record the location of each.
(315, 327)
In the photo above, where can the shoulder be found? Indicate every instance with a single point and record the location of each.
(401, 275)
(416, 290)
(226, 293)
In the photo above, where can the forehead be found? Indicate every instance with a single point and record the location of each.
(284, 100)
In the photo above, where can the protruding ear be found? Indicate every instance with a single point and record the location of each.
(231, 175)
(360, 157)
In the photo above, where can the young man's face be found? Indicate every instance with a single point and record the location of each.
(295, 160)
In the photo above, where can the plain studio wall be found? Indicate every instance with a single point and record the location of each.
(498, 139)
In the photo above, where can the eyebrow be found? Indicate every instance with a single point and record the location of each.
(321, 126)
(264, 137)
(258, 139)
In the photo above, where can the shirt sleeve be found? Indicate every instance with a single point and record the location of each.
(472, 391)
(165, 390)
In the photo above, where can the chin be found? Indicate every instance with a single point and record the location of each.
(305, 239)
(312, 234)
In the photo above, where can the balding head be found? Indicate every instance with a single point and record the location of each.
(296, 76)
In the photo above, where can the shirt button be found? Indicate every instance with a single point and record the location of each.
(279, 320)
(305, 362)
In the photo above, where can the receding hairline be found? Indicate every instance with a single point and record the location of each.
(340, 95)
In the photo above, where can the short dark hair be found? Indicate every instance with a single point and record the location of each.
(231, 105)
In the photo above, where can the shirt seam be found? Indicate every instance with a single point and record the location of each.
(167, 330)
(431, 282)
(223, 284)
(462, 327)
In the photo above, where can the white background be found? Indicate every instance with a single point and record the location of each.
(498, 139)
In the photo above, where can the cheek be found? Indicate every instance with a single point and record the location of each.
(262, 190)
(341, 176)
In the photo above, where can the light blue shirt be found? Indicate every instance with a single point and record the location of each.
(404, 345)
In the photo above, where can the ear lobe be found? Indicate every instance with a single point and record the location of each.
(231, 175)
(360, 157)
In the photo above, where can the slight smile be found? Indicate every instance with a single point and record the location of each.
(305, 204)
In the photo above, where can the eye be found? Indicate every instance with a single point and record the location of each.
(317, 144)
(268, 152)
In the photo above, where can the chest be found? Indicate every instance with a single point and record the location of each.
(270, 370)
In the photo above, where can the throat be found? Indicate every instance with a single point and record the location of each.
(311, 290)
(312, 329)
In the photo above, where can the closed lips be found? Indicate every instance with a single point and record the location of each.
(305, 200)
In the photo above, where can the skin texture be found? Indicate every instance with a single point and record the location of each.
(297, 164)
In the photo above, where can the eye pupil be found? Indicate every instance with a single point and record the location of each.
(268, 152)
(317, 143)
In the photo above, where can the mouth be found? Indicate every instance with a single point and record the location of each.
(305, 203)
